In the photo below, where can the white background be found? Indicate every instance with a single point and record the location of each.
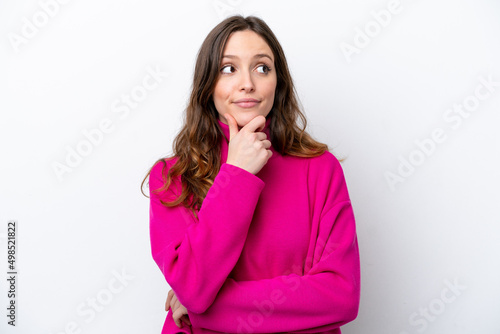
(438, 225)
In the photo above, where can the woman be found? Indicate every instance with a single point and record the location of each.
(250, 219)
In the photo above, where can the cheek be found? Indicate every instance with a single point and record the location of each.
(269, 89)
(217, 93)
(221, 93)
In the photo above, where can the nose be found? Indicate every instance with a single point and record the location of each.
(246, 83)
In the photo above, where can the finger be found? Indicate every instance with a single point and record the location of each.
(255, 125)
(185, 318)
(267, 143)
(233, 126)
(261, 136)
(174, 303)
(177, 318)
(269, 154)
(169, 298)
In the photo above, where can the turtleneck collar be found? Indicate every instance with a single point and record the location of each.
(225, 128)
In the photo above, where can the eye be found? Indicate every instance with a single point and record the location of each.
(224, 71)
(266, 68)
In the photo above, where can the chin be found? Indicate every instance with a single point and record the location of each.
(245, 119)
(249, 115)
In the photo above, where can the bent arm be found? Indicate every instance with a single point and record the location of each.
(197, 255)
(324, 298)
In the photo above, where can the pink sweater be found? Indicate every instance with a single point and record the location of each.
(271, 252)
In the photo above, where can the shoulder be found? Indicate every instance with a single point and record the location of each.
(159, 171)
(162, 166)
(326, 164)
(326, 176)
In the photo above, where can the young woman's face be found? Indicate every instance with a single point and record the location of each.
(246, 72)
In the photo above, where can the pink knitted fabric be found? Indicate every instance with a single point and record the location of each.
(271, 252)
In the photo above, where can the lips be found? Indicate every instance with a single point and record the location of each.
(247, 103)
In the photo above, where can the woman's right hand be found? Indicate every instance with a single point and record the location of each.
(248, 148)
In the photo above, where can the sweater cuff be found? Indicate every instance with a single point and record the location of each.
(246, 176)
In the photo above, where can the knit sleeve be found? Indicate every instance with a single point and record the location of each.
(196, 255)
(324, 297)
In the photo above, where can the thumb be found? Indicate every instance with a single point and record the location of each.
(233, 126)
(169, 298)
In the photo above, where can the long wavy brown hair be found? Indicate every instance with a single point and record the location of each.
(197, 146)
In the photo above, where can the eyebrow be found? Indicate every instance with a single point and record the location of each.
(259, 55)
